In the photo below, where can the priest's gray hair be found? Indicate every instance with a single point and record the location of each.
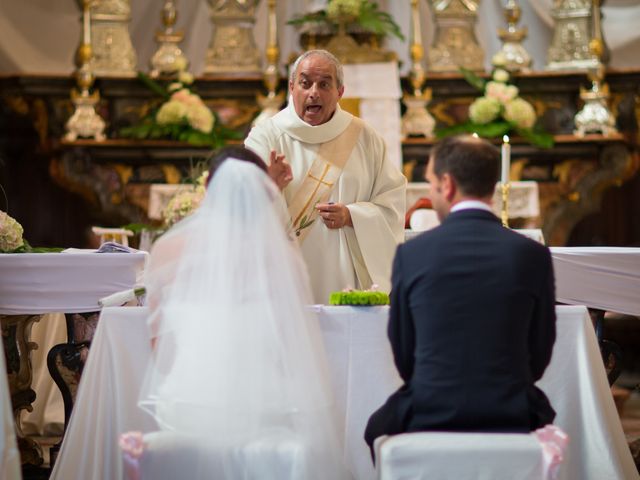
(323, 53)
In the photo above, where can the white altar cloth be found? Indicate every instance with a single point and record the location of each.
(9, 454)
(607, 278)
(38, 283)
(363, 376)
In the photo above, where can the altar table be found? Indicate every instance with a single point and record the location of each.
(39, 283)
(605, 278)
(363, 376)
(33, 284)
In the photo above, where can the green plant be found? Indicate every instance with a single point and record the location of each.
(360, 15)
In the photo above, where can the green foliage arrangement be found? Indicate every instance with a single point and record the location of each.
(181, 116)
(500, 110)
(358, 16)
(359, 298)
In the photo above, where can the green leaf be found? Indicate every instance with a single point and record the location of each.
(491, 130)
(152, 85)
(139, 227)
(473, 79)
(537, 138)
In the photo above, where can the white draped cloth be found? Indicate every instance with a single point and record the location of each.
(370, 186)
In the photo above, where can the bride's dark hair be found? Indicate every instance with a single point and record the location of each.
(233, 151)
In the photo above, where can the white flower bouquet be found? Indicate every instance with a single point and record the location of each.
(500, 110)
(186, 202)
(10, 234)
(11, 239)
(181, 116)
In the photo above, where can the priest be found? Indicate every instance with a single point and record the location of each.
(346, 200)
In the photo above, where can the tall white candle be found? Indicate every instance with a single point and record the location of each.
(506, 159)
(86, 24)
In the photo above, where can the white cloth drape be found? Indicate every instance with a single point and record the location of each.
(34, 283)
(362, 374)
(9, 453)
(40, 36)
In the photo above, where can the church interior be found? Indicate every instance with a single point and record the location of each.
(84, 158)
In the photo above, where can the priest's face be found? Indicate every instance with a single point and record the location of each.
(315, 90)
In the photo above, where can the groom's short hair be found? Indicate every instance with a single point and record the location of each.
(473, 163)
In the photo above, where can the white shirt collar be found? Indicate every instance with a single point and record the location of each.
(289, 121)
(470, 204)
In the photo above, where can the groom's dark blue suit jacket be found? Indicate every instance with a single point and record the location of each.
(472, 326)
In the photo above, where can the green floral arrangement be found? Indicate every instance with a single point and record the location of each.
(181, 116)
(500, 110)
(359, 298)
(357, 15)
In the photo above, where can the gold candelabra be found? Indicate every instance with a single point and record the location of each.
(85, 121)
(516, 57)
(595, 116)
(417, 120)
(169, 58)
(504, 210)
(270, 104)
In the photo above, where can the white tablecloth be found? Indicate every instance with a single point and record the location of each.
(64, 282)
(607, 278)
(363, 375)
(9, 454)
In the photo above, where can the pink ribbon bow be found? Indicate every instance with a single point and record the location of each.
(132, 447)
(554, 442)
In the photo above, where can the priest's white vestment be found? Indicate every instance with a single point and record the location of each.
(372, 188)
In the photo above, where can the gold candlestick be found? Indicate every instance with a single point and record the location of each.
(168, 59)
(517, 58)
(504, 211)
(595, 116)
(270, 104)
(417, 120)
(85, 121)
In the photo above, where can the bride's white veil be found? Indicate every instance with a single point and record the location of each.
(239, 359)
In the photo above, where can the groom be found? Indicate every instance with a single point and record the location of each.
(472, 319)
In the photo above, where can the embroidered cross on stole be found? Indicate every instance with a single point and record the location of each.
(321, 179)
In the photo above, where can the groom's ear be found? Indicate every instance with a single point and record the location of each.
(448, 187)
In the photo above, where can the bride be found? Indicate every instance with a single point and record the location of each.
(239, 373)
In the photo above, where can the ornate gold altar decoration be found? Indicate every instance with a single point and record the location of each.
(595, 116)
(85, 121)
(417, 120)
(455, 44)
(169, 58)
(233, 47)
(569, 48)
(270, 104)
(516, 57)
(113, 53)
(350, 29)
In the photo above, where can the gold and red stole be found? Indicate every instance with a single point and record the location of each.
(321, 179)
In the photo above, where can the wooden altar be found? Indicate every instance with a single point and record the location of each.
(107, 183)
